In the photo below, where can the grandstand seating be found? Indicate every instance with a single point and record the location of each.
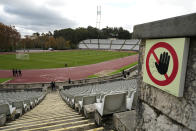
(104, 41)
(129, 101)
(100, 100)
(75, 96)
(15, 103)
(125, 47)
(132, 44)
(52, 114)
(92, 46)
(86, 100)
(104, 46)
(82, 46)
(115, 102)
(136, 47)
(116, 46)
(106, 98)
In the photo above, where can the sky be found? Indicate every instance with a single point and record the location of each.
(30, 16)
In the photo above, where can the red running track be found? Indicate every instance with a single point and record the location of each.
(63, 74)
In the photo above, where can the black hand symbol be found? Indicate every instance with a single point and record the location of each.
(163, 65)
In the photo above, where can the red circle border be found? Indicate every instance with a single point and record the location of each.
(175, 63)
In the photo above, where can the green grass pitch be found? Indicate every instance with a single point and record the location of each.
(4, 79)
(47, 60)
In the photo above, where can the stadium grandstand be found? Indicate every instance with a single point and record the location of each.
(102, 100)
(110, 44)
(74, 106)
(79, 96)
(14, 103)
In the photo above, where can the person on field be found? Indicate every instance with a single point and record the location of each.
(19, 72)
(51, 85)
(54, 85)
(124, 74)
(16, 72)
(13, 72)
(69, 81)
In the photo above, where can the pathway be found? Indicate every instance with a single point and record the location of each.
(51, 114)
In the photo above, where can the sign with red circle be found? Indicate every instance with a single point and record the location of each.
(170, 49)
(165, 62)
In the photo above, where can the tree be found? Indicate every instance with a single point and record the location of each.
(92, 32)
(123, 34)
(36, 34)
(70, 38)
(51, 43)
(61, 43)
(9, 37)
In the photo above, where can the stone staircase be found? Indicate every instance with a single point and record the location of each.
(52, 114)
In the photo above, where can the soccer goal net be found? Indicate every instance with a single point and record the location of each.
(22, 56)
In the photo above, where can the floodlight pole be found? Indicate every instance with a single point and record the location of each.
(98, 21)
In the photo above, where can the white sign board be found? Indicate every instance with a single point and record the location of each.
(165, 64)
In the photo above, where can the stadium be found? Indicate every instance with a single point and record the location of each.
(145, 83)
(80, 78)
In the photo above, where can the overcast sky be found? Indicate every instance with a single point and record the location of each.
(29, 16)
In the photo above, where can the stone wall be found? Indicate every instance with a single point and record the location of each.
(158, 110)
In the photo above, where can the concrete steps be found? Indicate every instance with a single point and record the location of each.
(52, 114)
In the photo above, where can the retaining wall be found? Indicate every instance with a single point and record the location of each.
(156, 109)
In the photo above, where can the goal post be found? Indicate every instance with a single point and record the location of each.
(22, 56)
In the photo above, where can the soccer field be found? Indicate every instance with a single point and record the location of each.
(47, 60)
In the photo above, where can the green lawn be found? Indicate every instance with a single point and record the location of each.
(117, 71)
(4, 79)
(123, 68)
(93, 76)
(46, 60)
